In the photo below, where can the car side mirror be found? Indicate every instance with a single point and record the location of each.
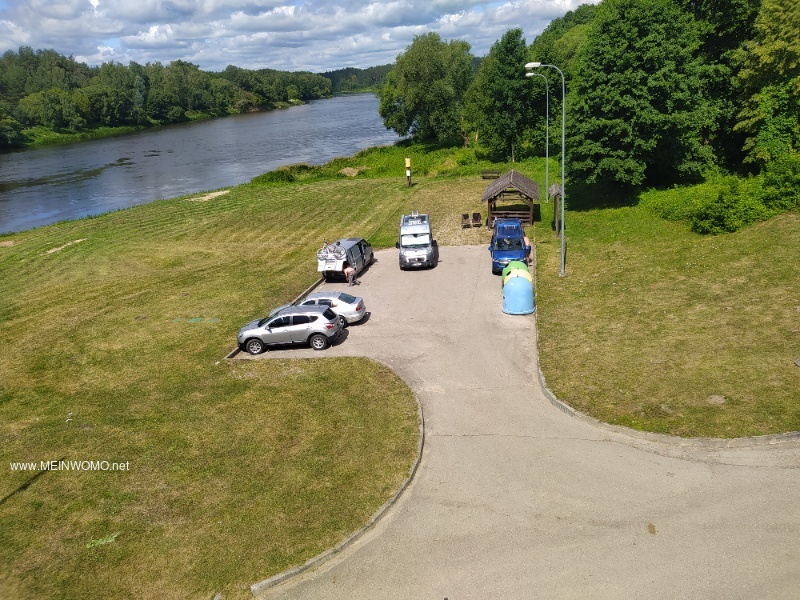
(397, 245)
(434, 243)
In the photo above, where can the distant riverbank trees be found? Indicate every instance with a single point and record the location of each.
(45, 90)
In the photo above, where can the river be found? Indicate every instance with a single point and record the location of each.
(40, 186)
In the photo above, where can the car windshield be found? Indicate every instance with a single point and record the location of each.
(420, 240)
(508, 244)
(329, 314)
(347, 298)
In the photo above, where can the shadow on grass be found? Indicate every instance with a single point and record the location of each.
(584, 196)
(26, 484)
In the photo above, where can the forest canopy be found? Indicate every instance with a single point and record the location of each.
(43, 89)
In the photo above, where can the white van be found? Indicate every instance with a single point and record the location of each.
(417, 246)
(357, 252)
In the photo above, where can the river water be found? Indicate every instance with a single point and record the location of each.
(45, 185)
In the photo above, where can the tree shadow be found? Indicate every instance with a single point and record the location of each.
(588, 196)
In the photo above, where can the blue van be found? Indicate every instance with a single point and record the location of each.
(508, 243)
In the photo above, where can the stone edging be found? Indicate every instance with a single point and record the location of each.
(261, 586)
(742, 442)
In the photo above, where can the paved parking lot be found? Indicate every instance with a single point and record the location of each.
(514, 498)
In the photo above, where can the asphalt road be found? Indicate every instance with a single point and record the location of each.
(514, 498)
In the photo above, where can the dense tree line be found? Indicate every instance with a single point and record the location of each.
(352, 79)
(659, 92)
(45, 89)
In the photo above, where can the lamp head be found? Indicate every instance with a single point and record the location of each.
(533, 65)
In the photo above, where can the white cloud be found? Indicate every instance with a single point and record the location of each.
(312, 35)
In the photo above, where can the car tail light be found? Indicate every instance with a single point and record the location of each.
(330, 325)
(360, 306)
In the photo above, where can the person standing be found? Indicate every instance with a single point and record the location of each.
(349, 273)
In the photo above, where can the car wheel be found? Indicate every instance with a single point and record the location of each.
(343, 321)
(318, 341)
(254, 346)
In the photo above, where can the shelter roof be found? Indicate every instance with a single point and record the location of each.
(511, 181)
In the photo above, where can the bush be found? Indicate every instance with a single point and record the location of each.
(735, 206)
(280, 176)
(679, 203)
(781, 189)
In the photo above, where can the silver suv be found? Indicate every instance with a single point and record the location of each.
(313, 325)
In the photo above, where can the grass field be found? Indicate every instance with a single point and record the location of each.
(663, 330)
(115, 329)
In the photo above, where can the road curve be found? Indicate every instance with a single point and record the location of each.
(514, 498)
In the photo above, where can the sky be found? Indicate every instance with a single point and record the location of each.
(288, 35)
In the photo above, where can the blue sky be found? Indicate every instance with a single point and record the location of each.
(293, 35)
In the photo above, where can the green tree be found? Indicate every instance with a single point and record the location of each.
(498, 102)
(724, 26)
(52, 108)
(770, 81)
(10, 131)
(424, 92)
(109, 106)
(562, 40)
(639, 111)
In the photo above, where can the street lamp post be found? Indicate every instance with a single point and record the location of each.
(546, 132)
(535, 65)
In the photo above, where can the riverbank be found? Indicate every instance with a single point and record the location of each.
(45, 185)
(37, 137)
(237, 471)
(119, 325)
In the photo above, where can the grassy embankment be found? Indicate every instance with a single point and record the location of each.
(239, 470)
(114, 331)
(661, 329)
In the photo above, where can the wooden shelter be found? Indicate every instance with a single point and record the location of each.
(518, 195)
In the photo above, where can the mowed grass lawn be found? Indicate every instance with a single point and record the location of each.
(660, 329)
(114, 331)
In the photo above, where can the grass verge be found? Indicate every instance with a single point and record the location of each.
(660, 329)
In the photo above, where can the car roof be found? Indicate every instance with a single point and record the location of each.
(301, 310)
(328, 294)
(510, 227)
(349, 242)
